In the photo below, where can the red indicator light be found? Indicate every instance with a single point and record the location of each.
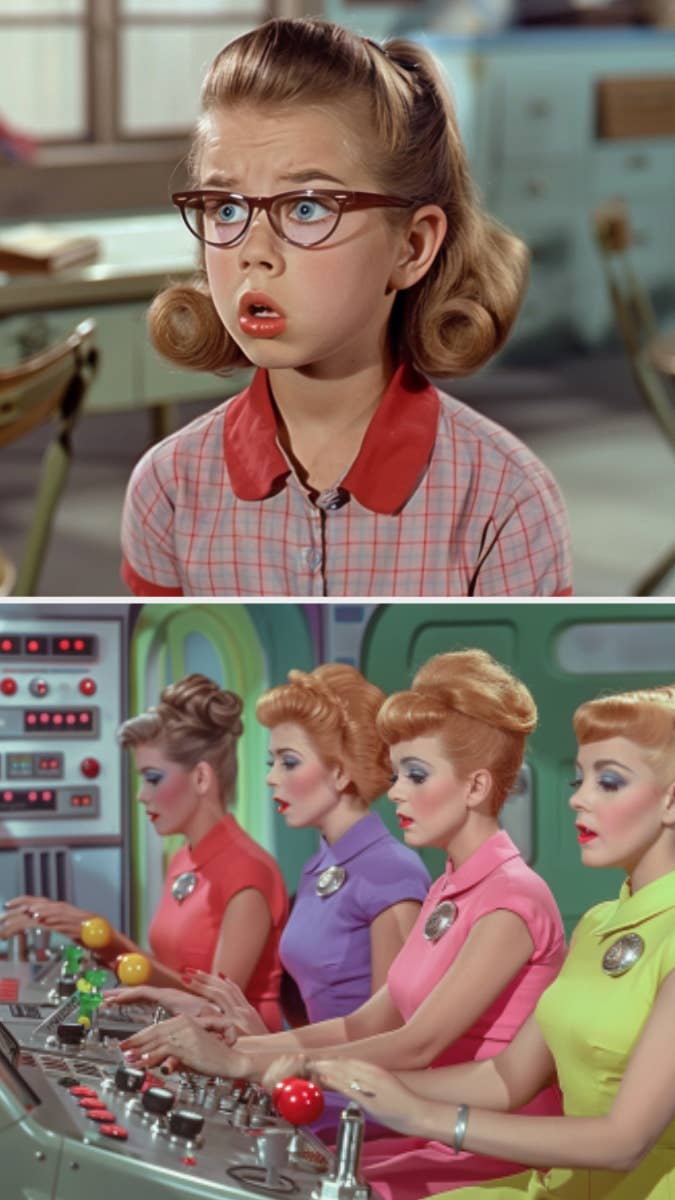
(32, 796)
(85, 801)
(70, 718)
(9, 687)
(78, 644)
(64, 643)
(189, 1160)
(32, 646)
(44, 718)
(58, 718)
(31, 719)
(8, 797)
(6, 645)
(84, 718)
(87, 686)
(47, 796)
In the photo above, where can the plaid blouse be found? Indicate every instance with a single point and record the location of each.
(439, 501)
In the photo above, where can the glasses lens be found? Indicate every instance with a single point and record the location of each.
(306, 220)
(217, 219)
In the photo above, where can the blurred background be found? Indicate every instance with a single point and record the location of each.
(567, 108)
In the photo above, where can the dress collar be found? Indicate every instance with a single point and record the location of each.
(487, 858)
(358, 837)
(392, 458)
(651, 900)
(226, 830)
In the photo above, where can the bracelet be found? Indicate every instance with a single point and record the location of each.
(461, 1122)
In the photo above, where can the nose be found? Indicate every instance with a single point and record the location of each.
(394, 793)
(270, 778)
(260, 246)
(578, 800)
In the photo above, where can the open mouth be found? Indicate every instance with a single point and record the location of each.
(585, 835)
(260, 317)
(282, 805)
(404, 821)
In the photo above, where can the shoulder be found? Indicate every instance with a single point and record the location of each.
(188, 448)
(482, 443)
(388, 873)
(250, 865)
(517, 887)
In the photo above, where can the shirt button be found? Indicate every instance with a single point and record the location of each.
(313, 558)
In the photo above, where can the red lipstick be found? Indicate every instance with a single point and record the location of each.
(403, 820)
(282, 805)
(585, 835)
(260, 317)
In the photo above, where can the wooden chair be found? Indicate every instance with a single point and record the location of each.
(651, 355)
(49, 386)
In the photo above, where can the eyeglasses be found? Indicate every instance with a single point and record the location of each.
(304, 219)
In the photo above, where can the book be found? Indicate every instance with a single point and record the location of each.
(31, 248)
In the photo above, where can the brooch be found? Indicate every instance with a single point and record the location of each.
(623, 954)
(439, 921)
(183, 886)
(330, 880)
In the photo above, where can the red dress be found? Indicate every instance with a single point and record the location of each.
(185, 934)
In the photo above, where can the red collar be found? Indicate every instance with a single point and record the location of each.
(388, 467)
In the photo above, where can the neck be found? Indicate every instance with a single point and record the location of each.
(202, 822)
(657, 861)
(337, 822)
(473, 834)
(322, 419)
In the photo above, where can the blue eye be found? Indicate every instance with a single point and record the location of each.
(289, 763)
(153, 777)
(231, 213)
(309, 210)
(416, 775)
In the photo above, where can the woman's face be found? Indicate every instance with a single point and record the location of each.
(166, 790)
(306, 790)
(619, 804)
(430, 797)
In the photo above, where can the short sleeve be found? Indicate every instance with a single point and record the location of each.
(150, 565)
(530, 899)
(390, 878)
(527, 549)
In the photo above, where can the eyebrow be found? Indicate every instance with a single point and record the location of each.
(218, 180)
(413, 758)
(609, 762)
(284, 750)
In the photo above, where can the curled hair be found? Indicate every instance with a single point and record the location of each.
(646, 717)
(337, 708)
(482, 713)
(453, 319)
(194, 721)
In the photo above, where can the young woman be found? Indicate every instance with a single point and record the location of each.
(221, 882)
(342, 262)
(605, 1025)
(489, 937)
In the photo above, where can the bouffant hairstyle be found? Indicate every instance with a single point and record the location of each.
(482, 713)
(337, 708)
(455, 318)
(194, 721)
(646, 717)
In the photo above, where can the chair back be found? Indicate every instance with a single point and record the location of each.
(48, 386)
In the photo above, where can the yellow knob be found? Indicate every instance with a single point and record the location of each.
(96, 933)
(133, 968)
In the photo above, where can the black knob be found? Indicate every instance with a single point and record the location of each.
(157, 1100)
(69, 1034)
(185, 1124)
(66, 985)
(129, 1079)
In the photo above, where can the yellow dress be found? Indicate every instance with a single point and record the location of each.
(592, 1022)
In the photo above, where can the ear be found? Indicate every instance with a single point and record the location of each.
(202, 777)
(480, 787)
(669, 806)
(421, 241)
(343, 781)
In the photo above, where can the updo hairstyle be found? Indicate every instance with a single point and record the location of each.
(453, 319)
(482, 713)
(195, 721)
(336, 707)
(645, 717)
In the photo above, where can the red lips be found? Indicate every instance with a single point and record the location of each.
(282, 805)
(403, 820)
(260, 316)
(585, 835)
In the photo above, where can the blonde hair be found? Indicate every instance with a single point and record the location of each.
(337, 708)
(455, 318)
(194, 721)
(482, 713)
(646, 717)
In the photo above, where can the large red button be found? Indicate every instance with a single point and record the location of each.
(87, 686)
(9, 686)
(80, 1090)
(90, 767)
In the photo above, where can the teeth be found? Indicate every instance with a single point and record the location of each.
(259, 310)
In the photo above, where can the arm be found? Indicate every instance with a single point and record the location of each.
(526, 550)
(643, 1107)
(388, 932)
(149, 565)
(244, 930)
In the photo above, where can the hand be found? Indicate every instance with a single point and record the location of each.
(173, 999)
(28, 912)
(183, 1042)
(377, 1091)
(284, 1067)
(227, 996)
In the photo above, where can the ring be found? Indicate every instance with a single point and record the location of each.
(355, 1086)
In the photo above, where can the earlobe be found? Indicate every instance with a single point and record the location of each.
(480, 789)
(424, 237)
(669, 807)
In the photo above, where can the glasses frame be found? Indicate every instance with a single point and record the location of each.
(346, 202)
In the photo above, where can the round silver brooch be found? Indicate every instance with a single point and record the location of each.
(623, 954)
(183, 886)
(330, 880)
(439, 921)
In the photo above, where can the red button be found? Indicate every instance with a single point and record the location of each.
(100, 1114)
(87, 686)
(9, 687)
(78, 1089)
(91, 1101)
(189, 1161)
(90, 767)
(114, 1131)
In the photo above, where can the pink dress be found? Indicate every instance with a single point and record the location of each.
(495, 877)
